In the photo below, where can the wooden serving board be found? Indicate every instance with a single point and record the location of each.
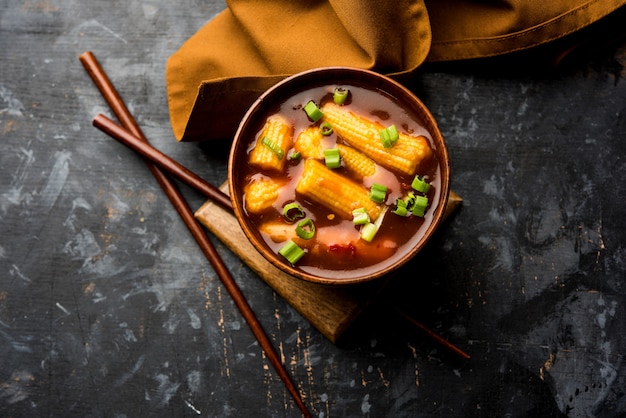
(330, 309)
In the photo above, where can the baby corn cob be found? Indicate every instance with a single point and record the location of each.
(334, 191)
(364, 135)
(260, 195)
(356, 161)
(309, 143)
(280, 133)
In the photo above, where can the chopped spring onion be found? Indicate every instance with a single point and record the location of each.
(369, 230)
(313, 112)
(340, 95)
(401, 208)
(295, 155)
(360, 216)
(292, 211)
(378, 193)
(420, 185)
(332, 157)
(389, 136)
(305, 228)
(326, 128)
(273, 146)
(419, 206)
(291, 252)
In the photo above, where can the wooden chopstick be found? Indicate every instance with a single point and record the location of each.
(110, 94)
(162, 160)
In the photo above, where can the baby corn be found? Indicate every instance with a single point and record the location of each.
(334, 191)
(309, 143)
(260, 195)
(356, 161)
(363, 134)
(279, 133)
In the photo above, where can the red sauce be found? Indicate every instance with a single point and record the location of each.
(346, 252)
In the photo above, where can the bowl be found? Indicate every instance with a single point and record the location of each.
(339, 258)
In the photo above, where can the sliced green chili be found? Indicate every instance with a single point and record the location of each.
(305, 228)
(313, 112)
(291, 252)
(273, 146)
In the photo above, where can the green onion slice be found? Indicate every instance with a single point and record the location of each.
(332, 157)
(295, 156)
(291, 252)
(389, 136)
(378, 193)
(292, 211)
(340, 95)
(326, 128)
(369, 230)
(420, 185)
(401, 208)
(305, 228)
(360, 216)
(419, 206)
(273, 146)
(313, 112)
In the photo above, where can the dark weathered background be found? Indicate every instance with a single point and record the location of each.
(108, 308)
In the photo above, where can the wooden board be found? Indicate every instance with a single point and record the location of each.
(330, 309)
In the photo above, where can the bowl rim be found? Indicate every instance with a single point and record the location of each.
(417, 107)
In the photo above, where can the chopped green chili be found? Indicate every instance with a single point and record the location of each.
(291, 252)
(305, 228)
(273, 146)
(313, 112)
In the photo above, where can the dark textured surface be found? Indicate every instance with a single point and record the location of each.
(108, 308)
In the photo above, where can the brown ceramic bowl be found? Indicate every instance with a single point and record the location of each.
(283, 92)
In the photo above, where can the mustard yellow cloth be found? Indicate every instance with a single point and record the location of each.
(215, 76)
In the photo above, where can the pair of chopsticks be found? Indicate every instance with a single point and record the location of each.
(130, 130)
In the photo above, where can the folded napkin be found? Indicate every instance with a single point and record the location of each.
(217, 74)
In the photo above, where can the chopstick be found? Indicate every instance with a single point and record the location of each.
(112, 97)
(162, 160)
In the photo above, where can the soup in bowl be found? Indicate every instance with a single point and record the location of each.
(338, 175)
